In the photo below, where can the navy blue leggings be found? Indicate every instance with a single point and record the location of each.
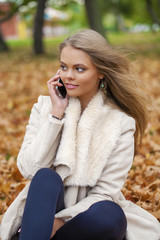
(104, 220)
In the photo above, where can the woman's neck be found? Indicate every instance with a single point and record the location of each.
(85, 101)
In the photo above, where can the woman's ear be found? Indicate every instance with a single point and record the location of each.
(101, 76)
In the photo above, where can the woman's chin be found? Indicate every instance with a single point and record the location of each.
(72, 94)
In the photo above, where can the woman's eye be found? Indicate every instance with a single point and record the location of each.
(80, 69)
(63, 67)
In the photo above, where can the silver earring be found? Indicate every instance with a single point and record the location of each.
(103, 84)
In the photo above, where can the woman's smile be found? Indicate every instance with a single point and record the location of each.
(70, 86)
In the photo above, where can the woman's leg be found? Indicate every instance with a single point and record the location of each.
(104, 220)
(45, 198)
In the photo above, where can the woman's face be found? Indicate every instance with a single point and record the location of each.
(79, 74)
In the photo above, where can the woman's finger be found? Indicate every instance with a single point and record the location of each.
(51, 86)
(55, 77)
(56, 83)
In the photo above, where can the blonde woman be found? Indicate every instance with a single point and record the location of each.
(78, 150)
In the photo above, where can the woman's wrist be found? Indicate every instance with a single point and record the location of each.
(56, 117)
(57, 114)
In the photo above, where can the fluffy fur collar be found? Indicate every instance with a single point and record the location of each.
(87, 141)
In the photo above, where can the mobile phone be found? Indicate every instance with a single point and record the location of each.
(61, 91)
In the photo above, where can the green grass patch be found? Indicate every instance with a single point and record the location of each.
(123, 38)
(28, 42)
(23, 48)
(138, 44)
(19, 43)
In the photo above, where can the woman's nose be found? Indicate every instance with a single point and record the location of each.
(69, 74)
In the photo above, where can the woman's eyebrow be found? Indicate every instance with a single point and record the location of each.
(75, 65)
(79, 64)
(62, 62)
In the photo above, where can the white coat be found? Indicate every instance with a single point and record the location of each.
(92, 153)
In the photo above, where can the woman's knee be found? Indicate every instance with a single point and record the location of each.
(45, 177)
(110, 210)
(108, 218)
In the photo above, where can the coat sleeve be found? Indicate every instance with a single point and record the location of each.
(41, 140)
(114, 174)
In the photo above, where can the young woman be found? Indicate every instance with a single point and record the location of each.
(77, 151)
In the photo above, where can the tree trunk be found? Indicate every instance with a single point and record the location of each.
(94, 15)
(159, 3)
(3, 45)
(38, 27)
(152, 13)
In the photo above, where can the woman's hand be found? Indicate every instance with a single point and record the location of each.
(58, 223)
(58, 104)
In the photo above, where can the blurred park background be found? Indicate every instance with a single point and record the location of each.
(30, 32)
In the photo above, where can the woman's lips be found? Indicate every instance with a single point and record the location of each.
(70, 86)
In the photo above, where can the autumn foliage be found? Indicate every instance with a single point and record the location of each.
(22, 79)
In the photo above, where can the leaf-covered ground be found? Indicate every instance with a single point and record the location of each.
(23, 79)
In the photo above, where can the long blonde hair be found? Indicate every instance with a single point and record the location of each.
(122, 85)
